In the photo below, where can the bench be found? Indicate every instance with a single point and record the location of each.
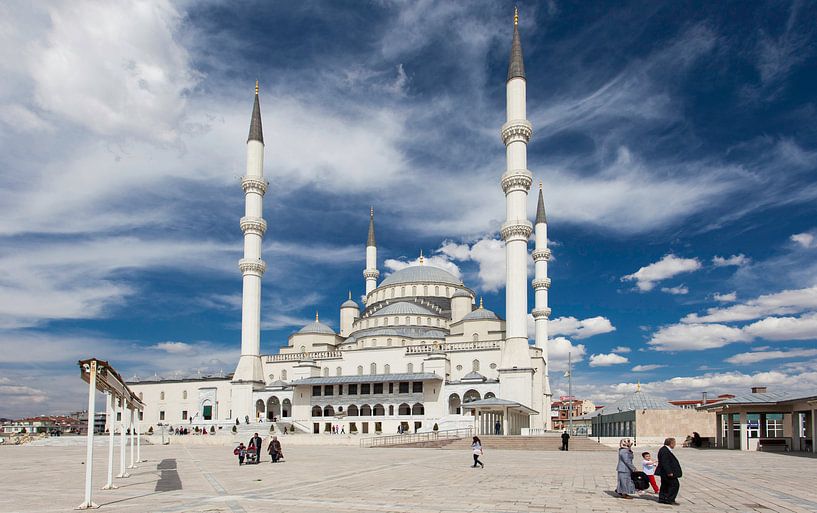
(772, 444)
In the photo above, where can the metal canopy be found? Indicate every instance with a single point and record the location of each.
(108, 380)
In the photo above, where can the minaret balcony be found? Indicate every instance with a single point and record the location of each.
(516, 130)
(516, 180)
(540, 313)
(541, 254)
(254, 184)
(252, 266)
(253, 225)
(371, 273)
(541, 283)
(519, 229)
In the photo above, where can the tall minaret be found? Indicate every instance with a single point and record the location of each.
(249, 368)
(541, 284)
(371, 273)
(516, 182)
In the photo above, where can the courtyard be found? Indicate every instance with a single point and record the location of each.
(177, 478)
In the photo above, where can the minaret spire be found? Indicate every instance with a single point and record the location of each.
(541, 217)
(516, 67)
(370, 273)
(256, 131)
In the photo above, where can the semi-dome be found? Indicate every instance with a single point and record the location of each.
(421, 274)
(403, 308)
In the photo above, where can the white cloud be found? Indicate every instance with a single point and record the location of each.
(621, 349)
(606, 360)
(580, 329)
(488, 253)
(726, 298)
(668, 267)
(558, 349)
(762, 356)
(804, 239)
(647, 368)
(785, 328)
(174, 347)
(729, 382)
(734, 260)
(676, 291)
(780, 303)
(686, 337)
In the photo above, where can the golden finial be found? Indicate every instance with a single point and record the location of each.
(316, 316)
(638, 386)
(256, 87)
(371, 211)
(540, 185)
(515, 16)
(480, 302)
(421, 257)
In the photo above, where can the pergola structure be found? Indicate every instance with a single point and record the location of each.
(512, 416)
(765, 420)
(101, 377)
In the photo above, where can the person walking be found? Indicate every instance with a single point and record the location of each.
(476, 450)
(241, 452)
(625, 469)
(497, 428)
(565, 440)
(274, 449)
(669, 469)
(257, 443)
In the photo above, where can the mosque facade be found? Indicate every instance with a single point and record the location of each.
(419, 354)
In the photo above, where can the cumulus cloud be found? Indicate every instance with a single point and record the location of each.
(734, 260)
(726, 298)
(580, 328)
(606, 360)
(785, 328)
(805, 240)
(174, 347)
(668, 267)
(558, 349)
(647, 368)
(621, 349)
(680, 290)
(762, 356)
(778, 303)
(686, 337)
(734, 382)
(489, 255)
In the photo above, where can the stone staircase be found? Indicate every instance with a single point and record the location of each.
(512, 443)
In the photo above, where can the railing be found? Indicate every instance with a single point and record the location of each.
(315, 355)
(454, 346)
(410, 438)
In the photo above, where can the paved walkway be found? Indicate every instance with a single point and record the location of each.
(347, 479)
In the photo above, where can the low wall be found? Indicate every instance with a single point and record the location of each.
(678, 423)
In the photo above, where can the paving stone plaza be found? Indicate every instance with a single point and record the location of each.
(178, 478)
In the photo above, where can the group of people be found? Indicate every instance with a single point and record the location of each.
(668, 468)
(251, 453)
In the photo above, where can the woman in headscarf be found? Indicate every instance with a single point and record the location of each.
(625, 469)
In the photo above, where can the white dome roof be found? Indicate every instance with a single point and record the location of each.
(317, 327)
(481, 314)
(421, 274)
(461, 293)
(404, 308)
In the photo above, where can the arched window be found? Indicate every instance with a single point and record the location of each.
(454, 404)
(447, 293)
(326, 372)
(359, 370)
(391, 410)
(388, 342)
(402, 291)
(387, 367)
(475, 337)
(303, 349)
(286, 408)
(436, 290)
(403, 341)
(328, 411)
(439, 322)
(316, 411)
(161, 396)
(284, 375)
(365, 411)
(418, 409)
(338, 371)
(419, 321)
(352, 411)
(184, 394)
(414, 290)
(490, 395)
(470, 396)
(404, 409)
(408, 320)
(410, 368)
(373, 368)
(475, 366)
(391, 292)
(396, 321)
(378, 410)
(425, 290)
(374, 342)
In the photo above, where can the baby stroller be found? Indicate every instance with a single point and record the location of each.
(252, 456)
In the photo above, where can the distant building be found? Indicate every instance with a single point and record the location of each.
(82, 418)
(691, 404)
(41, 424)
(563, 410)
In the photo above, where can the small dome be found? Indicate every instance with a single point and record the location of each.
(481, 314)
(317, 327)
(350, 303)
(461, 293)
(403, 308)
(474, 376)
(421, 274)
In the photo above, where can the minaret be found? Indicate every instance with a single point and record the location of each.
(541, 284)
(249, 368)
(516, 230)
(371, 273)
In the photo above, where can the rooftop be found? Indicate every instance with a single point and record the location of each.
(421, 274)
(367, 378)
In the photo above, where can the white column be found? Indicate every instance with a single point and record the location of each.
(814, 431)
(139, 438)
(795, 431)
(132, 428)
(719, 430)
(505, 422)
(122, 441)
(111, 413)
(89, 440)
(730, 431)
(744, 431)
(371, 273)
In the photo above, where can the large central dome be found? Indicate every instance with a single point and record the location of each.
(421, 274)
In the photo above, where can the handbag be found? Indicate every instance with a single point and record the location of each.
(640, 480)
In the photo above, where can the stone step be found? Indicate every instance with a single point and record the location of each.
(511, 443)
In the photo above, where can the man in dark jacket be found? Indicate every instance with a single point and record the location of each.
(256, 441)
(670, 471)
(565, 439)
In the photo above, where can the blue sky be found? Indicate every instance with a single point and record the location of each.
(676, 143)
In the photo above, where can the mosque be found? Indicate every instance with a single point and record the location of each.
(419, 353)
